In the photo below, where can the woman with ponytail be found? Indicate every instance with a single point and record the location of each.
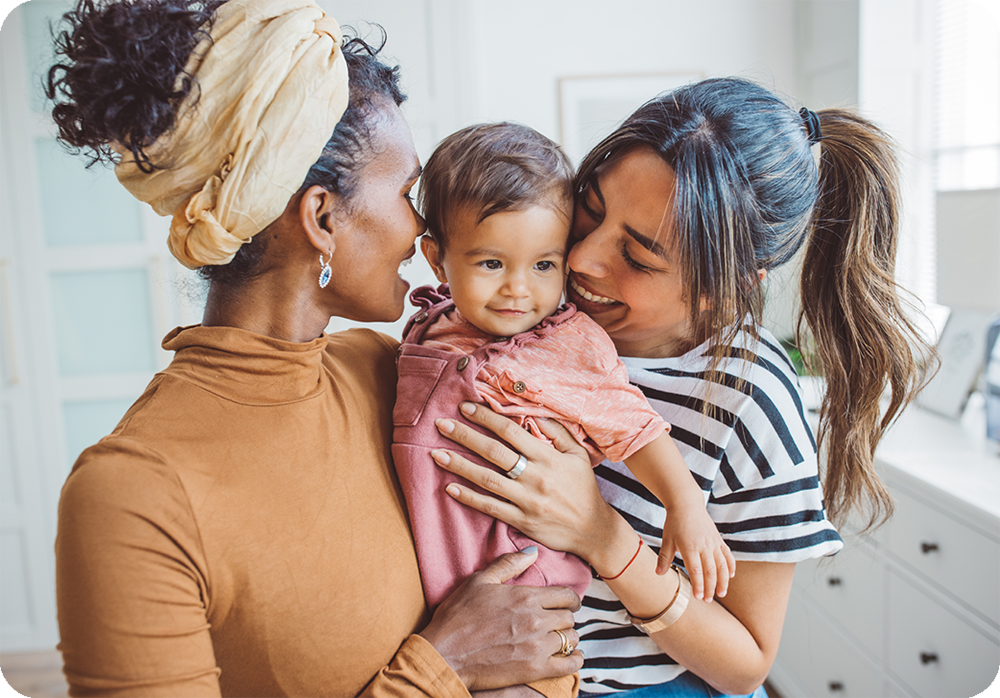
(242, 531)
(681, 214)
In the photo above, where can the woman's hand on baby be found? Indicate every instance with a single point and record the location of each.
(710, 564)
(496, 635)
(555, 499)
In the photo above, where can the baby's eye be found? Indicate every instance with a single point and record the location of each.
(492, 264)
(545, 266)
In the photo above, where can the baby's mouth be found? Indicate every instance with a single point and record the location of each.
(590, 296)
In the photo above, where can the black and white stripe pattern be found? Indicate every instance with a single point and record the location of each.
(755, 459)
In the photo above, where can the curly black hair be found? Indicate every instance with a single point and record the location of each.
(117, 82)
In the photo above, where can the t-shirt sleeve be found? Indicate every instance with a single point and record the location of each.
(618, 418)
(591, 384)
(130, 581)
(766, 496)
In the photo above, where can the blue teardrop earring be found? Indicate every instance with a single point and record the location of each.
(326, 272)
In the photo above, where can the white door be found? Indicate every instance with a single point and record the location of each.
(88, 291)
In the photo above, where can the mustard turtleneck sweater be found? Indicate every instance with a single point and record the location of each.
(242, 531)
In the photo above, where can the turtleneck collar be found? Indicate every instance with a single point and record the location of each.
(245, 367)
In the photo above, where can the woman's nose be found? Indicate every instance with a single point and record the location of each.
(589, 255)
(421, 224)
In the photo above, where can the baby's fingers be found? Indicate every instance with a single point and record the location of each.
(710, 573)
(726, 569)
(666, 557)
(696, 571)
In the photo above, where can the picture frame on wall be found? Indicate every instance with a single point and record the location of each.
(590, 107)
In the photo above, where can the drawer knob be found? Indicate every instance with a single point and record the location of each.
(928, 657)
(834, 581)
(928, 548)
(836, 687)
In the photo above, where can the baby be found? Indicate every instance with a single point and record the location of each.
(498, 202)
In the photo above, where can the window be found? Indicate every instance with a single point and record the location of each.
(966, 96)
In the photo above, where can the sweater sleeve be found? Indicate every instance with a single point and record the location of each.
(416, 671)
(130, 581)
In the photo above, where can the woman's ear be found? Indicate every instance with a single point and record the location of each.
(434, 255)
(318, 215)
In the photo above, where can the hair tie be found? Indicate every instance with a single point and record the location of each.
(810, 120)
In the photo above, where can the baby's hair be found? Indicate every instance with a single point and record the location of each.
(492, 167)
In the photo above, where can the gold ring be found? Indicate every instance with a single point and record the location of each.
(567, 647)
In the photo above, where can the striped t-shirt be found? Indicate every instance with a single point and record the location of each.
(755, 459)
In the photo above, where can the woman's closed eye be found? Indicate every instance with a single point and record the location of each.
(632, 261)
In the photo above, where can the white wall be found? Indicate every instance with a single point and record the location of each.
(826, 75)
(525, 46)
(467, 61)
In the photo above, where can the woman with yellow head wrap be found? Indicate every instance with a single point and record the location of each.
(241, 532)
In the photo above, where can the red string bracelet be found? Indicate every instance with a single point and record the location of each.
(626, 566)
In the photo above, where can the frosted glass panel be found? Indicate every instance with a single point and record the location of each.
(88, 422)
(81, 206)
(14, 602)
(10, 491)
(103, 322)
(39, 48)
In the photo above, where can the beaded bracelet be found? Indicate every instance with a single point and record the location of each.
(626, 566)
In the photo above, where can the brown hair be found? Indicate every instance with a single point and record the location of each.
(748, 195)
(492, 167)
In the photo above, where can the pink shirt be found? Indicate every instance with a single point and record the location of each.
(571, 374)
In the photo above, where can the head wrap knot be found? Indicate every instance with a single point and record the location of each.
(271, 87)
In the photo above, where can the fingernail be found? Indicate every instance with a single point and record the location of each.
(453, 490)
(530, 550)
(440, 456)
(445, 426)
(467, 408)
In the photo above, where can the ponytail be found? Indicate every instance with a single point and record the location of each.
(861, 330)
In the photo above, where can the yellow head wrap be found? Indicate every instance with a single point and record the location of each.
(272, 85)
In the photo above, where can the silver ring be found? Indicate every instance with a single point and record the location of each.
(519, 467)
(567, 647)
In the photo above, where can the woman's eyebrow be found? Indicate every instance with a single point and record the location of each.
(647, 242)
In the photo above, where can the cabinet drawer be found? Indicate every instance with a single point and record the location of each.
(961, 560)
(850, 588)
(822, 661)
(933, 651)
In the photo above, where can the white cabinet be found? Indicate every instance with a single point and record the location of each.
(914, 609)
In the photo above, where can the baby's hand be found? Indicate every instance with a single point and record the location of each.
(710, 564)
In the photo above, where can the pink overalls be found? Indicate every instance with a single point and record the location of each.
(453, 540)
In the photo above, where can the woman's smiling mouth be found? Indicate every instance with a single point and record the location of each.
(584, 293)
